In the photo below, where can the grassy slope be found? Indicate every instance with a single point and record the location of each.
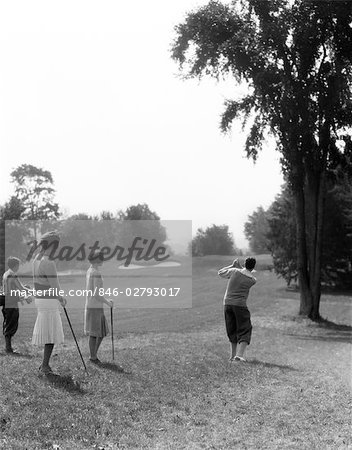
(177, 389)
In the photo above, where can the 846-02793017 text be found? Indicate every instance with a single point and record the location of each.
(114, 292)
(141, 292)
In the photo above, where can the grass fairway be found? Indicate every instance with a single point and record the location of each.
(172, 387)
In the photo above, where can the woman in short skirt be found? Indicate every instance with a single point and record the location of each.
(48, 326)
(95, 324)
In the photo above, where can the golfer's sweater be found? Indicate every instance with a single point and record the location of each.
(238, 286)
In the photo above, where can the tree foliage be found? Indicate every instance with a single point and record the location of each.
(11, 235)
(139, 212)
(295, 58)
(337, 242)
(214, 240)
(140, 221)
(256, 229)
(282, 235)
(34, 189)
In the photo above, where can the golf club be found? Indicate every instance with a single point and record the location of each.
(112, 332)
(74, 337)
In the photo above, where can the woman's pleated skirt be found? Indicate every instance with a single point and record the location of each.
(48, 326)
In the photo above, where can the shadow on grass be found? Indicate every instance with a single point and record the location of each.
(113, 367)
(65, 382)
(270, 365)
(346, 339)
(18, 355)
(328, 332)
(327, 324)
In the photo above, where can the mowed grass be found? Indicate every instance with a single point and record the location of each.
(171, 386)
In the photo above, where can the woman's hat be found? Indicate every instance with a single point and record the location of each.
(49, 237)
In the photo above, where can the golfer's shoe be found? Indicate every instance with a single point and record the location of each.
(95, 361)
(239, 359)
(45, 371)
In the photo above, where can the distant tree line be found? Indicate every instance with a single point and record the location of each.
(32, 211)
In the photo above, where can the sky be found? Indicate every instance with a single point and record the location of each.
(88, 90)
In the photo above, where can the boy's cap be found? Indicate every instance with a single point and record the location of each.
(96, 256)
(50, 236)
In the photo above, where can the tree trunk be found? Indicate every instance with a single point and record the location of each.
(309, 212)
(314, 217)
(302, 260)
(2, 248)
(316, 284)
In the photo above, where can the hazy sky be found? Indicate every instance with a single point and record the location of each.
(88, 91)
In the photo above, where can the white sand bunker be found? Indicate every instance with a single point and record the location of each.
(163, 264)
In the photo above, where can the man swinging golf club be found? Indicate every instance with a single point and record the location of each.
(237, 316)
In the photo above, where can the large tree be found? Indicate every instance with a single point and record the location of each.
(11, 235)
(295, 58)
(214, 240)
(34, 188)
(282, 236)
(140, 221)
(337, 235)
(256, 229)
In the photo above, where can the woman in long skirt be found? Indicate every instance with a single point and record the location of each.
(48, 329)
